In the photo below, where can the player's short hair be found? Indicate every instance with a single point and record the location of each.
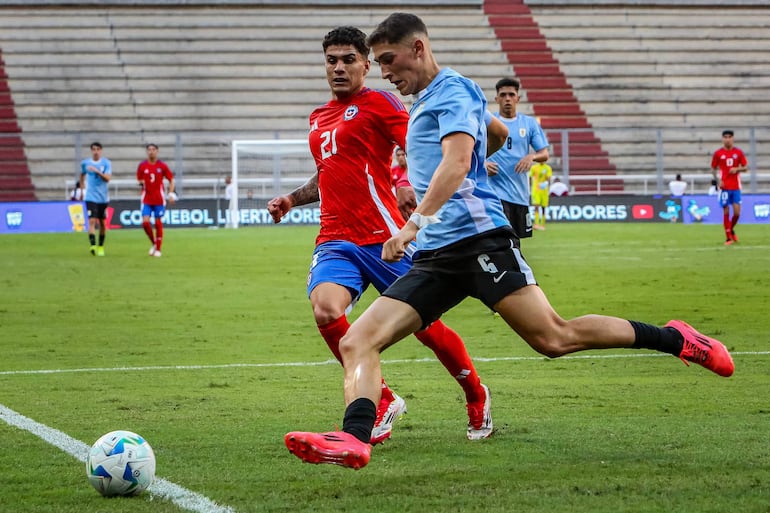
(147, 146)
(507, 82)
(347, 35)
(97, 144)
(727, 132)
(396, 28)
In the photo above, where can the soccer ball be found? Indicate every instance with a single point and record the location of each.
(120, 463)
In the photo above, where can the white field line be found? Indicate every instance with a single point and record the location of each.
(187, 499)
(182, 497)
(334, 362)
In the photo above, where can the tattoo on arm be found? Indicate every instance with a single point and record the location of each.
(307, 192)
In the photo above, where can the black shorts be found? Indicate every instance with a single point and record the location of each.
(96, 210)
(487, 267)
(519, 217)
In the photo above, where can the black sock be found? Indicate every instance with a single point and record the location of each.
(359, 419)
(101, 238)
(92, 239)
(666, 340)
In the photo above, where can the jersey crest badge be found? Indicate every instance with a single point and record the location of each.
(351, 112)
(522, 132)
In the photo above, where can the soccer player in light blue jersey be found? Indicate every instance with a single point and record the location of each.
(95, 174)
(465, 247)
(508, 168)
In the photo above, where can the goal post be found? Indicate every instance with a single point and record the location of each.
(263, 169)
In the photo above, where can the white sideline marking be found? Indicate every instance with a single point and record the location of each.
(334, 362)
(182, 497)
(187, 499)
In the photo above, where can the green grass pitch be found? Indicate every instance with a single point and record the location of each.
(189, 351)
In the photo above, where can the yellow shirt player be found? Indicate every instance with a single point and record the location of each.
(540, 176)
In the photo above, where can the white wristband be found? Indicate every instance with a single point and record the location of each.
(422, 221)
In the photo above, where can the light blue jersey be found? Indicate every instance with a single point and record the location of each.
(523, 132)
(451, 103)
(97, 190)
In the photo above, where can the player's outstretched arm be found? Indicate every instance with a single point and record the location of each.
(306, 193)
(394, 248)
(302, 195)
(278, 207)
(525, 164)
(172, 196)
(456, 150)
(497, 134)
(407, 201)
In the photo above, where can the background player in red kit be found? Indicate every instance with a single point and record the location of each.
(352, 138)
(730, 162)
(407, 201)
(150, 175)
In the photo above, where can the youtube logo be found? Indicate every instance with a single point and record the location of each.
(642, 212)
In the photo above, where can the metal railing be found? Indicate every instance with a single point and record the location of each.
(646, 159)
(199, 188)
(263, 188)
(696, 183)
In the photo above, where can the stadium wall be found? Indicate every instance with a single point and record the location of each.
(71, 216)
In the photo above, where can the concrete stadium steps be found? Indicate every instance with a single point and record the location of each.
(683, 151)
(190, 123)
(548, 89)
(218, 72)
(614, 73)
(681, 69)
(15, 178)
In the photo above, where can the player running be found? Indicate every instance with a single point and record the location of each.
(150, 175)
(466, 247)
(540, 178)
(730, 161)
(508, 168)
(401, 186)
(352, 138)
(95, 174)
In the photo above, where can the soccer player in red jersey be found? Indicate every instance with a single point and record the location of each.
(730, 161)
(352, 138)
(404, 191)
(150, 175)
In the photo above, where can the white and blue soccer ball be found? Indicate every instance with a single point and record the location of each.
(120, 463)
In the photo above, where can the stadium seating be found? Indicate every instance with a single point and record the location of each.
(193, 78)
(209, 75)
(15, 179)
(675, 72)
(549, 93)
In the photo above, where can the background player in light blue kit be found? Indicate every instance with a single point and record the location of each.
(508, 168)
(95, 174)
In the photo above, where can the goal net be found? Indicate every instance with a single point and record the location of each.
(264, 169)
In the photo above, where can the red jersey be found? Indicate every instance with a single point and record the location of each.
(725, 159)
(151, 176)
(352, 141)
(400, 177)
